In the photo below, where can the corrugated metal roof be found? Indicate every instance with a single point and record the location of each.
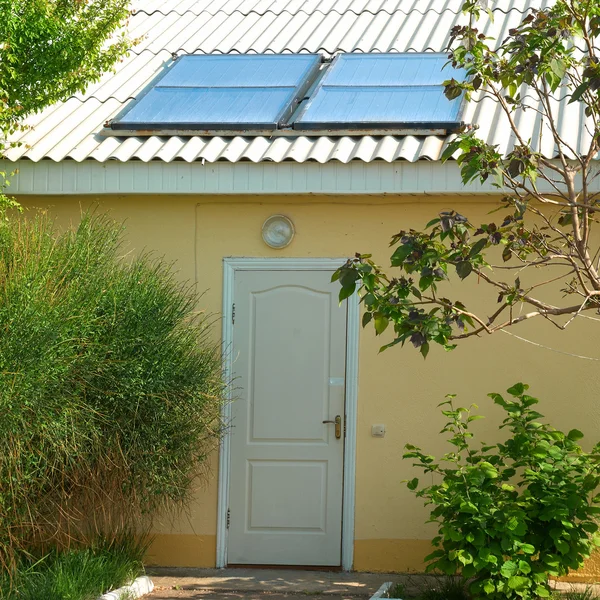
(71, 129)
(309, 6)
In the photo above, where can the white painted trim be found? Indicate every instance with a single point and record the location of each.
(352, 333)
(225, 448)
(267, 178)
(356, 177)
(230, 266)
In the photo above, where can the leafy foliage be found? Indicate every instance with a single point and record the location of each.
(110, 388)
(549, 207)
(510, 514)
(49, 50)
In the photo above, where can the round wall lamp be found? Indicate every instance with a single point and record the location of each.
(278, 231)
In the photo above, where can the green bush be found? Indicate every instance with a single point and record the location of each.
(110, 387)
(511, 514)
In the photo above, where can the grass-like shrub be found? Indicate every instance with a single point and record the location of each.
(110, 387)
(76, 574)
(511, 514)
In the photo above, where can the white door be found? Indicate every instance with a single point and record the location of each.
(289, 353)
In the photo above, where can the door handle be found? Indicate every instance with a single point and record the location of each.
(338, 426)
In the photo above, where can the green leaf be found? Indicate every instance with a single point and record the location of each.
(518, 583)
(575, 435)
(401, 254)
(498, 399)
(589, 527)
(474, 418)
(451, 149)
(527, 549)
(477, 247)
(541, 592)
(424, 349)
(524, 567)
(346, 292)
(469, 571)
(579, 91)
(434, 554)
(517, 390)
(425, 282)
(366, 318)
(445, 566)
(348, 276)
(508, 569)
(558, 67)
(488, 470)
(369, 299)
(488, 586)
(464, 268)
(381, 323)
(412, 484)
(452, 93)
(468, 507)
(551, 560)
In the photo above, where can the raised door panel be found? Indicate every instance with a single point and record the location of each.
(287, 386)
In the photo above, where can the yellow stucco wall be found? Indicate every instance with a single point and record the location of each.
(397, 388)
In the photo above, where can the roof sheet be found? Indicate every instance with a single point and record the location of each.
(71, 129)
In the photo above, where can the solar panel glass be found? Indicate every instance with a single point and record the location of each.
(190, 107)
(239, 70)
(385, 105)
(222, 92)
(401, 91)
(387, 69)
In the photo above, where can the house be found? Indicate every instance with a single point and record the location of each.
(259, 216)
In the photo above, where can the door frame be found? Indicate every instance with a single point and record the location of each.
(230, 266)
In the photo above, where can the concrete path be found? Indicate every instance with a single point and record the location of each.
(279, 584)
(253, 584)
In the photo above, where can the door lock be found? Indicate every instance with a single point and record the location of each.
(338, 426)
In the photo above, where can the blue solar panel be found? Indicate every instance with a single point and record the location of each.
(223, 92)
(382, 105)
(212, 108)
(239, 70)
(383, 90)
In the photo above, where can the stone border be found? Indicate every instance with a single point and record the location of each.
(140, 587)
